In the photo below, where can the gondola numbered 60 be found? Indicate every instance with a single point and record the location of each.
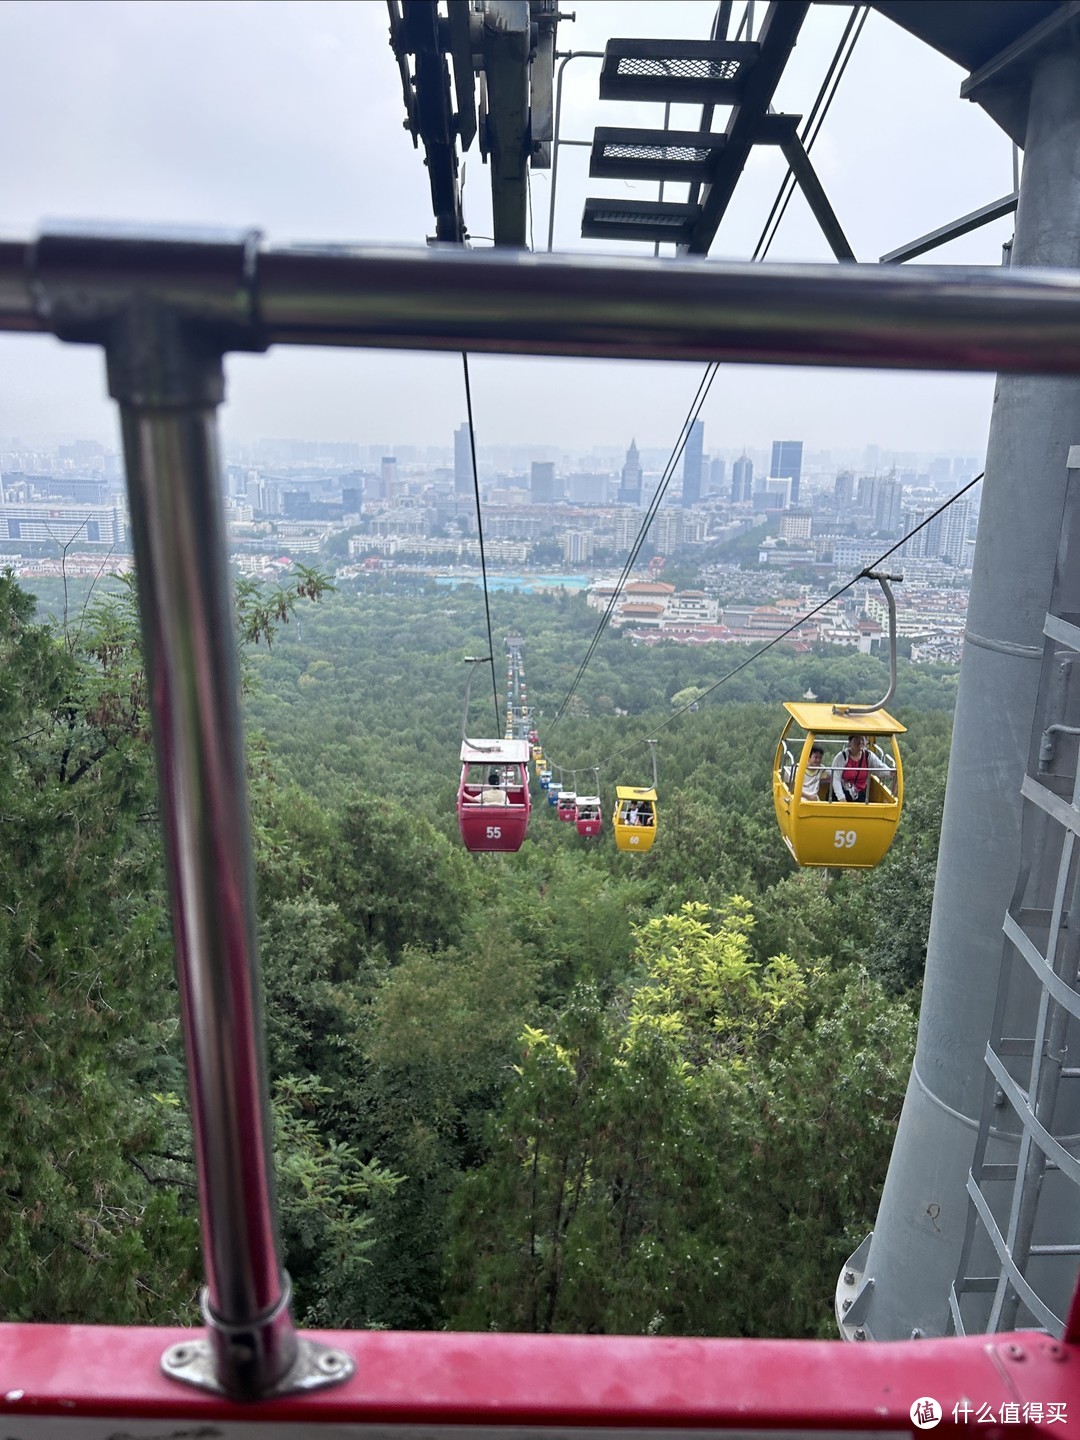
(636, 819)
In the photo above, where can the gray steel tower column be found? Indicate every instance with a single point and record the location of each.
(913, 1255)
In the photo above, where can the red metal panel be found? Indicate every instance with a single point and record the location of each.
(560, 1383)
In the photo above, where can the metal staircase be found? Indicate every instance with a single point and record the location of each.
(1024, 1185)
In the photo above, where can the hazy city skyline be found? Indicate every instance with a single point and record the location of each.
(297, 127)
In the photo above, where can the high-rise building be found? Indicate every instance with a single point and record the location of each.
(542, 483)
(717, 471)
(666, 532)
(577, 546)
(773, 493)
(887, 506)
(630, 488)
(796, 525)
(388, 476)
(787, 464)
(844, 489)
(742, 479)
(947, 534)
(588, 488)
(691, 465)
(463, 472)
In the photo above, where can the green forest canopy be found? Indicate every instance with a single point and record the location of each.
(562, 1090)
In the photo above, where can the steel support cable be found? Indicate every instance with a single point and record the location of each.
(480, 534)
(812, 126)
(704, 385)
(744, 664)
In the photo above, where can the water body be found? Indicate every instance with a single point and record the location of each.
(525, 583)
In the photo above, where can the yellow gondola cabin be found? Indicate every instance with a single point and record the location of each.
(818, 828)
(635, 818)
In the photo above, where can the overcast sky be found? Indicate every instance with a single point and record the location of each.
(286, 114)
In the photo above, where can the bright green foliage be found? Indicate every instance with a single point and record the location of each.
(89, 1228)
(326, 1192)
(641, 1177)
(97, 1215)
(398, 882)
(704, 993)
(441, 1041)
(697, 1123)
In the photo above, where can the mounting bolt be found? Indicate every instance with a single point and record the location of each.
(1053, 1350)
(333, 1362)
(1015, 1352)
(849, 1277)
(179, 1355)
(860, 1333)
(846, 1306)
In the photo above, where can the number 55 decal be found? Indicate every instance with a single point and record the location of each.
(494, 832)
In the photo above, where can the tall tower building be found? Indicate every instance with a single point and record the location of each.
(787, 464)
(630, 488)
(388, 477)
(844, 489)
(742, 479)
(717, 471)
(866, 493)
(463, 476)
(542, 483)
(887, 506)
(691, 465)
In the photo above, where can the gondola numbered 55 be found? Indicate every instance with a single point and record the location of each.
(493, 797)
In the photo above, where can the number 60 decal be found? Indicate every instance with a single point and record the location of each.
(845, 839)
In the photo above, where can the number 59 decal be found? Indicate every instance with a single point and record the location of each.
(845, 839)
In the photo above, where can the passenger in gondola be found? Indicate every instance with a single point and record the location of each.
(816, 780)
(646, 814)
(493, 792)
(852, 768)
(633, 815)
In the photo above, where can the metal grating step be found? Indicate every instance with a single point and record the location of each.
(629, 154)
(682, 71)
(667, 221)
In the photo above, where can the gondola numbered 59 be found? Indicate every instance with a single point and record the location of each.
(818, 828)
(838, 780)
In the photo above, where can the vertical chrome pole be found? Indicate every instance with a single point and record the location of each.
(169, 388)
(556, 141)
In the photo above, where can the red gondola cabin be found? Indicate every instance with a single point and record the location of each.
(590, 820)
(493, 798)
